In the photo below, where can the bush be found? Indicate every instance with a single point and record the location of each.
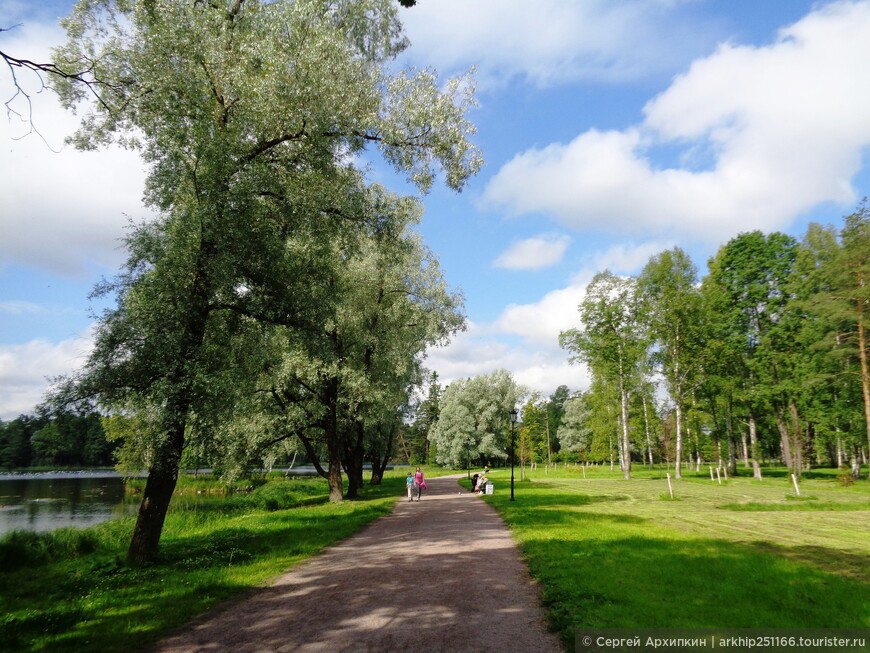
(20, 548)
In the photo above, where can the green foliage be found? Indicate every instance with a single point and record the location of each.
(28, 549)
(64, 439)
(15, 446)
(474, 416)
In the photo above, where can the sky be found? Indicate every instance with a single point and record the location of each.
(611, 130)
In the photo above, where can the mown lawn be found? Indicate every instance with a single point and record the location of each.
(610, 553)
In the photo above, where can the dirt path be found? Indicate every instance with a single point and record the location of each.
(437, 575)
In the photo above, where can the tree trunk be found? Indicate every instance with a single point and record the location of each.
(839, 450)
(784, 442)
(163, 474)
(610, 446)
(753, 443)
(678, 456)
(378, 469)
(379, 461)
(549, 446)
(797, 445)
(626, 444)
(334, 444)
(354, 460)
(336, 494)
(162, 478)
(646, 427)
(865, 368)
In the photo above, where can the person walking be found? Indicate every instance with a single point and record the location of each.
(419, 482)
(410, 483)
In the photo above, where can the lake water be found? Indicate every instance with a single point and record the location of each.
(46, 501)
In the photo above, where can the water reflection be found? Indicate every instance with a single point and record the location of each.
(44, 502)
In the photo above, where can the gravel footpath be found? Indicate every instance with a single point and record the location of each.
(438, 575)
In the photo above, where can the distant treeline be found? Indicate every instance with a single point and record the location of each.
(65, 440)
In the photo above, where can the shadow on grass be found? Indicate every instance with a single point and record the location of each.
(655, 583)
(803, 505)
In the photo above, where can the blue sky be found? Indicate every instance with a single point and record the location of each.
(611, 129)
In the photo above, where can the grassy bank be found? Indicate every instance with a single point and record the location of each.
(70, 590)
(610, 553)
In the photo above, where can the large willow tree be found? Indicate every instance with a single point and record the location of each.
(250, 115)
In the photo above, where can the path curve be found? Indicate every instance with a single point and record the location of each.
(442, 574)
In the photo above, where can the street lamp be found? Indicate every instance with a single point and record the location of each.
(513, 415)
(468, 457)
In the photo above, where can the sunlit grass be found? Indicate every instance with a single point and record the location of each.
(610, 553)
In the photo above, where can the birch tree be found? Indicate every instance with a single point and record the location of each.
(668, 287)
(611, 343)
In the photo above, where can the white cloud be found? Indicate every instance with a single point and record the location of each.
(541, 322)
(534, 253)
(25, 368)
(62, 210)
(628, 259)
(551, 41)
(479, 352)
(537, 361)
(21, 308)
(786, 125)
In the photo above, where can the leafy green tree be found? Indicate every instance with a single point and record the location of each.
(393, 304)
(555, 413)
(426, 413)
(249, 115)
(575, 430)
(533, 433)
(748, 293)
(71, 440)
(843, 302)
(475, 416)
(668, 288)
(16, 449)
(342, 386)
(612, 344)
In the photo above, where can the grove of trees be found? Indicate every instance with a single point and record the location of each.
(765, 358)
(61, 440)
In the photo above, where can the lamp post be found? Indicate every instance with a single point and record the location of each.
(513, 415)
(468, 457)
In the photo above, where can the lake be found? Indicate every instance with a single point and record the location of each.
(50, 500)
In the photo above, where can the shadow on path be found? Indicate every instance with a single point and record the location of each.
(442, 574)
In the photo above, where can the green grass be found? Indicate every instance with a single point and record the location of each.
(610, 553)
(70, 590)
